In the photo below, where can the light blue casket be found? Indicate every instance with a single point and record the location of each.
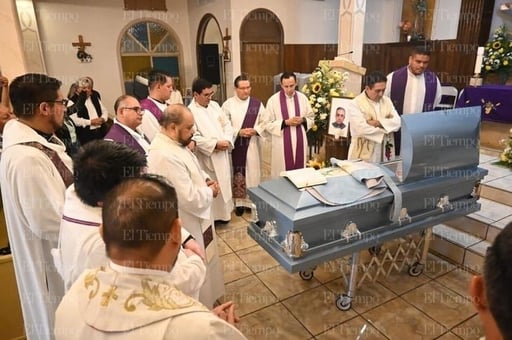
(440, 180)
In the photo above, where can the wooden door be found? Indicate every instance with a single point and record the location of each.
(261, 61)
(261, 54)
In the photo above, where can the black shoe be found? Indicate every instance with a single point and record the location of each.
(239, 211)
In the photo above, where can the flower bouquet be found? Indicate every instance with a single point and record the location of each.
(498, 54)
(324, 84)
(506, 155)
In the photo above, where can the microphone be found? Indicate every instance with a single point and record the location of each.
(345, 53)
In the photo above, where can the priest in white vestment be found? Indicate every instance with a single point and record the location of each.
(99, 166)
(34, 173)
(372, 121)
(245, 112)
(170, 157)
(132, 297)
(213, 140)
(287, 117)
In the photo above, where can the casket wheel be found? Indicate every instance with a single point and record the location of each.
(416, 269)
(306, 275)
(374, 251)
(344, 302)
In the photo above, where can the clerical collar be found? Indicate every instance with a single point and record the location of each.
(158, 101)
(44, 135)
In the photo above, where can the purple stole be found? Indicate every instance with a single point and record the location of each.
(397, 94)
(239, 153)
(148, 104)
(298, 162)
(399, 83)
(119, 134)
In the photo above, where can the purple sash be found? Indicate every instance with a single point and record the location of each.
(148, 104)
(239, 153)
(398, 85)
(298, 162)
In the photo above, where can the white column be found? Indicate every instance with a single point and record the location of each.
(351, 29)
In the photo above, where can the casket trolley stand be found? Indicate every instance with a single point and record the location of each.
(439, 181)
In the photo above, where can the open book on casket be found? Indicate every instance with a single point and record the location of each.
(437, 179)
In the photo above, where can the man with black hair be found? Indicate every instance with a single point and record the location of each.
(99, 166)
(34, 173)
(491, 293)
(161, 86)
(244, 112)
(413, 88)
(372, 122)
(214, 140)
(287, 117)
(132, 297)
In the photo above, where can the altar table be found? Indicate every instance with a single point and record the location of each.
(495, 101)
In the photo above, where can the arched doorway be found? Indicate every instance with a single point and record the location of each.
(210, 63)
(150, 44)
(261, 50)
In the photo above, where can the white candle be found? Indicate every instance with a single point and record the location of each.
(479, 60)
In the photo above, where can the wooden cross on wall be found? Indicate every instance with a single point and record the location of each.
(81, 44)
(81, 54)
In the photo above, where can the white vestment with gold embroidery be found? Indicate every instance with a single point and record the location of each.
(130, 303)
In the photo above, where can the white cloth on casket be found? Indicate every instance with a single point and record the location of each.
(125, 303)
(213, 125)
(273, 119)
(81, 248)
(236, 110)
(180, 166)
(33, 197)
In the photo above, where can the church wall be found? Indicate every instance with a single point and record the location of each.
(11, 52)
(101, 23)
(500, 17)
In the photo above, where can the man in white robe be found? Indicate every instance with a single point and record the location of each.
(99, 166)
(213, 140)
(170, 157)
(161, 86)
(287, 117)
(244, 112)
(413, 88)
(132, 297)
(34, 173)
(372, 120)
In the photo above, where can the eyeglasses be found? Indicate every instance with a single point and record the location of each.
(62, 101)
(137, 109)
(208, 94)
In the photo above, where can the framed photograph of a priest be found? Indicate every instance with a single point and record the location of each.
(338, 123)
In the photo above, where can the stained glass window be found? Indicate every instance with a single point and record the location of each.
(146, 45)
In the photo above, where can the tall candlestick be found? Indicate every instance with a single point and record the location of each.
(479, 60)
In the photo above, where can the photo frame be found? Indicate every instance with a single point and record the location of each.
(338, 126)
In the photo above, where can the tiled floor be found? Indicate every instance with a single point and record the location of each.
(274, 304)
